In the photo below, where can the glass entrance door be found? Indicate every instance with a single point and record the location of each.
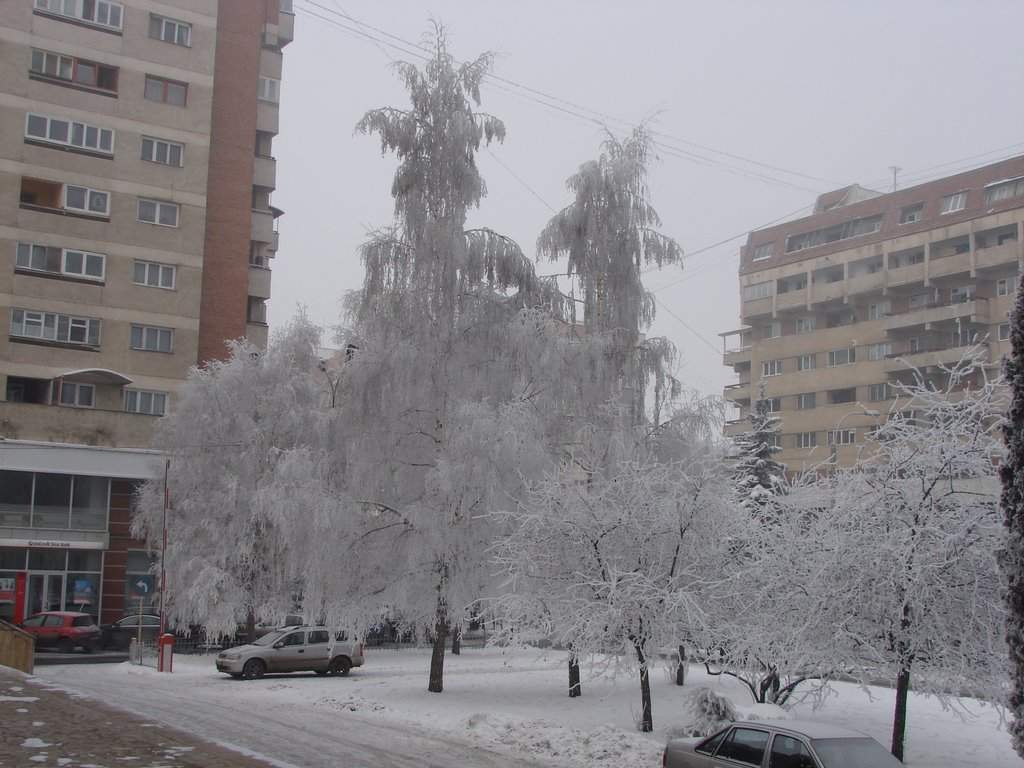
(45, 593)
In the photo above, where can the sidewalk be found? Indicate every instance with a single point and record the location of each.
(40, 726)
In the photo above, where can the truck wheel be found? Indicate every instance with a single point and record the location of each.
(340, 665)
(253, 669)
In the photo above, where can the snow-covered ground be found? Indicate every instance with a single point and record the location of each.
(508, 701)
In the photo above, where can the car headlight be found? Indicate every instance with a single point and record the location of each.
(230, 656)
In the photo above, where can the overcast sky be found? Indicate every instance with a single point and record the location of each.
(835, 91)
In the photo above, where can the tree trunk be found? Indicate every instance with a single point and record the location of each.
(457, 640)
(575, 689)
(646, 718)
(436, 684)
(899, 718)
(681, 666)
(250, 627)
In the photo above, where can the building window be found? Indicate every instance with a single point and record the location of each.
(878, 392)
(269, 89)
(72, 70)
(807, 362)
(879, 351)
(154, 274)
(771, 367)
(757, 291)
(85, 200)
(170, 30)
(50, 326)
(842, 437)
(1003, 287)
(844, 231)
(805, 401)
(921, 300)
(773, 404)
(837, 396)
(69, 133)
(763, 251)
(41, 500)
(963, 337)
(166, 91)
(257, 310)
(1004, 190)
(804, 324)
(74, 394)
(773, 330)
(149, 338)
(911, 213)
(60, 261)
(100, 13)
(150, 403)
(961, 294)
(955, 202)
(914, 345)
(163, 152)
(1004, 331)
(807, 440)
(158, 212)
(878, 311)
(837, 357)
(774, 440)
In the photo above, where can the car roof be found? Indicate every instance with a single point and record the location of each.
(812, 729)
(60, 613)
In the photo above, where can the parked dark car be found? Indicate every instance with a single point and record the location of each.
(118, 636)
(63, 630)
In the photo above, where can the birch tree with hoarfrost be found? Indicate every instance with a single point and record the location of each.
(435, 426)
(231, 428)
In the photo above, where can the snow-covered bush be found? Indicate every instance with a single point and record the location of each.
(707, 712)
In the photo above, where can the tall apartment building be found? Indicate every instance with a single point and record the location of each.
(839, 305)
(136, 169)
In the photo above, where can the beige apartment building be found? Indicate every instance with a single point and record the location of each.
(136, 236)
(839, 305)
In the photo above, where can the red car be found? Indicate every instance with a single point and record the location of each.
(66, 630)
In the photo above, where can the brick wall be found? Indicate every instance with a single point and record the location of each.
(116, 557)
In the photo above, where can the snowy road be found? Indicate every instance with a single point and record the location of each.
(281, 735)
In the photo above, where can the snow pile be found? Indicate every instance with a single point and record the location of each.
(553, 742)
(351, 704)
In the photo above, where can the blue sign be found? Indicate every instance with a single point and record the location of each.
(143, 586)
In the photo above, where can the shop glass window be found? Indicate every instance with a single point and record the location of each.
(12, 559)
(52, 501)
(89, 503)
(15, 500)
(85, 560)
(82, 593)
(47, 560)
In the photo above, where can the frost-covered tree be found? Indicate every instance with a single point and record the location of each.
(911, 560)
(759, 477)
(233, 425)
(1012, 503)
(435, 426)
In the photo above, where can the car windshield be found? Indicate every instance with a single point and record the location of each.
(854, 753)
(270, 638)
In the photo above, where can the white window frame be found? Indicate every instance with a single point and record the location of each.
(806, 440)
(834, 356)
(160, 270)
(1004, 331)
(806, 324)
(84, 128)
(842, 436)
(801, 404)
(1012, 187)
(269, 89)
(879, 351)
(148, 332)
(873, 390)
(154, 151)
(175, 28)
(87, 256)
(76, 399)
(773, 330)
(807, 362)
(49, 324)
(879, 310)
(955, 202)
(75, 9)
(757, 291)
(771, 367)
(158, 207)
(916, 211)
(89, 194)
(1003, 286)
(763, 251)
(135, 398)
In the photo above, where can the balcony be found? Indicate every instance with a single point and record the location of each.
(997, 255)
(262, 226)
(268, 117)
(822, 292)
(757, 307)
(264, 172)
(737, 356)
(735, 427)
(949, 265)
(285, 25)
(912, 273)
(866, 283)
(83, 426)
(945, 356)
(257, 333)
(791, 299)
(738, 393)
(976, 311)
(259, 282)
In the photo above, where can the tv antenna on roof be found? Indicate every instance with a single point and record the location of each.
(895, 172)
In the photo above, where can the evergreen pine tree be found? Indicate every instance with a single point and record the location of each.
(1012, 502)
(759, 477)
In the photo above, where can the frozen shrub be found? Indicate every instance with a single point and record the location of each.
(708, 712)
